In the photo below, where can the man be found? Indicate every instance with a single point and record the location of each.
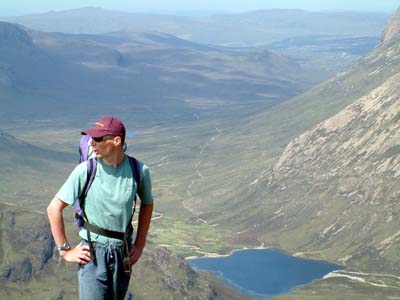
(108, 206)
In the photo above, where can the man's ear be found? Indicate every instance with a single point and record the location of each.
(117, 141)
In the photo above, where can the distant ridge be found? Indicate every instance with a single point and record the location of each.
(251, 28)
(13, 148)
(59, 71)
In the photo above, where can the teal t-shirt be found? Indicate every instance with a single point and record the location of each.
(109, 201)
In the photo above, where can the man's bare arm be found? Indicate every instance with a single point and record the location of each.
(146, 211)
(79, 254)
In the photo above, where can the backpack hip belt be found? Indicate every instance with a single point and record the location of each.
(106, 232)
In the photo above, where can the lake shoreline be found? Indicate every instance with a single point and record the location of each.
(263, 271)
(218, 255)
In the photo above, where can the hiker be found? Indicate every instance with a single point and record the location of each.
(107, 251)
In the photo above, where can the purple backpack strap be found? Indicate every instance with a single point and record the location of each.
(84, 148)
(135, 166)
(80, 202)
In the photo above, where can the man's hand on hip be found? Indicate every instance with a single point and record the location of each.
(80, 254)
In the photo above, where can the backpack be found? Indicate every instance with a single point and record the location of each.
(86, 154)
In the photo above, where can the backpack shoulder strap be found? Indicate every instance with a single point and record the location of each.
(80, 202)
(84, 148)
(91, 173)
(135, 165)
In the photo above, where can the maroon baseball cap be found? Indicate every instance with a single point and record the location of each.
(106, 126)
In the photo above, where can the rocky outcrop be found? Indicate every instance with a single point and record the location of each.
(18, 271)
(365, 134)
(167, 263)
(26, 244)
(161, 274)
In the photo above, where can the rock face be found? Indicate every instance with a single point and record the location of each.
(26, 244)
(393, 27)
(361, 140)
(161, 274)
(336, 187)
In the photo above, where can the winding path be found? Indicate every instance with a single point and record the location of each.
(197, 164)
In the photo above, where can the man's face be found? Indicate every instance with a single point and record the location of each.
(105, 146)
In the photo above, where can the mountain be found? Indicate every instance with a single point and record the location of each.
(244, 29)
(12, 37)
(145, 72)
(344, 176)
(323, 42)
(33, 80)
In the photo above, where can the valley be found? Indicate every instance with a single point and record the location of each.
(246, 147)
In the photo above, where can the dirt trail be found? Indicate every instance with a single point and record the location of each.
(197, 165)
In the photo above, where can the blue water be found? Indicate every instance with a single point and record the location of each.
(263, 272)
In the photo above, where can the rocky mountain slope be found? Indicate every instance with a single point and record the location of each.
(333, 192)
(26, 244)
(335, 187)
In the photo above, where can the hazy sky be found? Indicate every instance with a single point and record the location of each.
(16, 7)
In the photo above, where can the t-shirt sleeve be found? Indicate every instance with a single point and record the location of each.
(73, 186)
(144, 190)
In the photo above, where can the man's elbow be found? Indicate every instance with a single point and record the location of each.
(55, 207)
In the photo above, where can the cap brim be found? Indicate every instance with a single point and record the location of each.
(95, 132)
